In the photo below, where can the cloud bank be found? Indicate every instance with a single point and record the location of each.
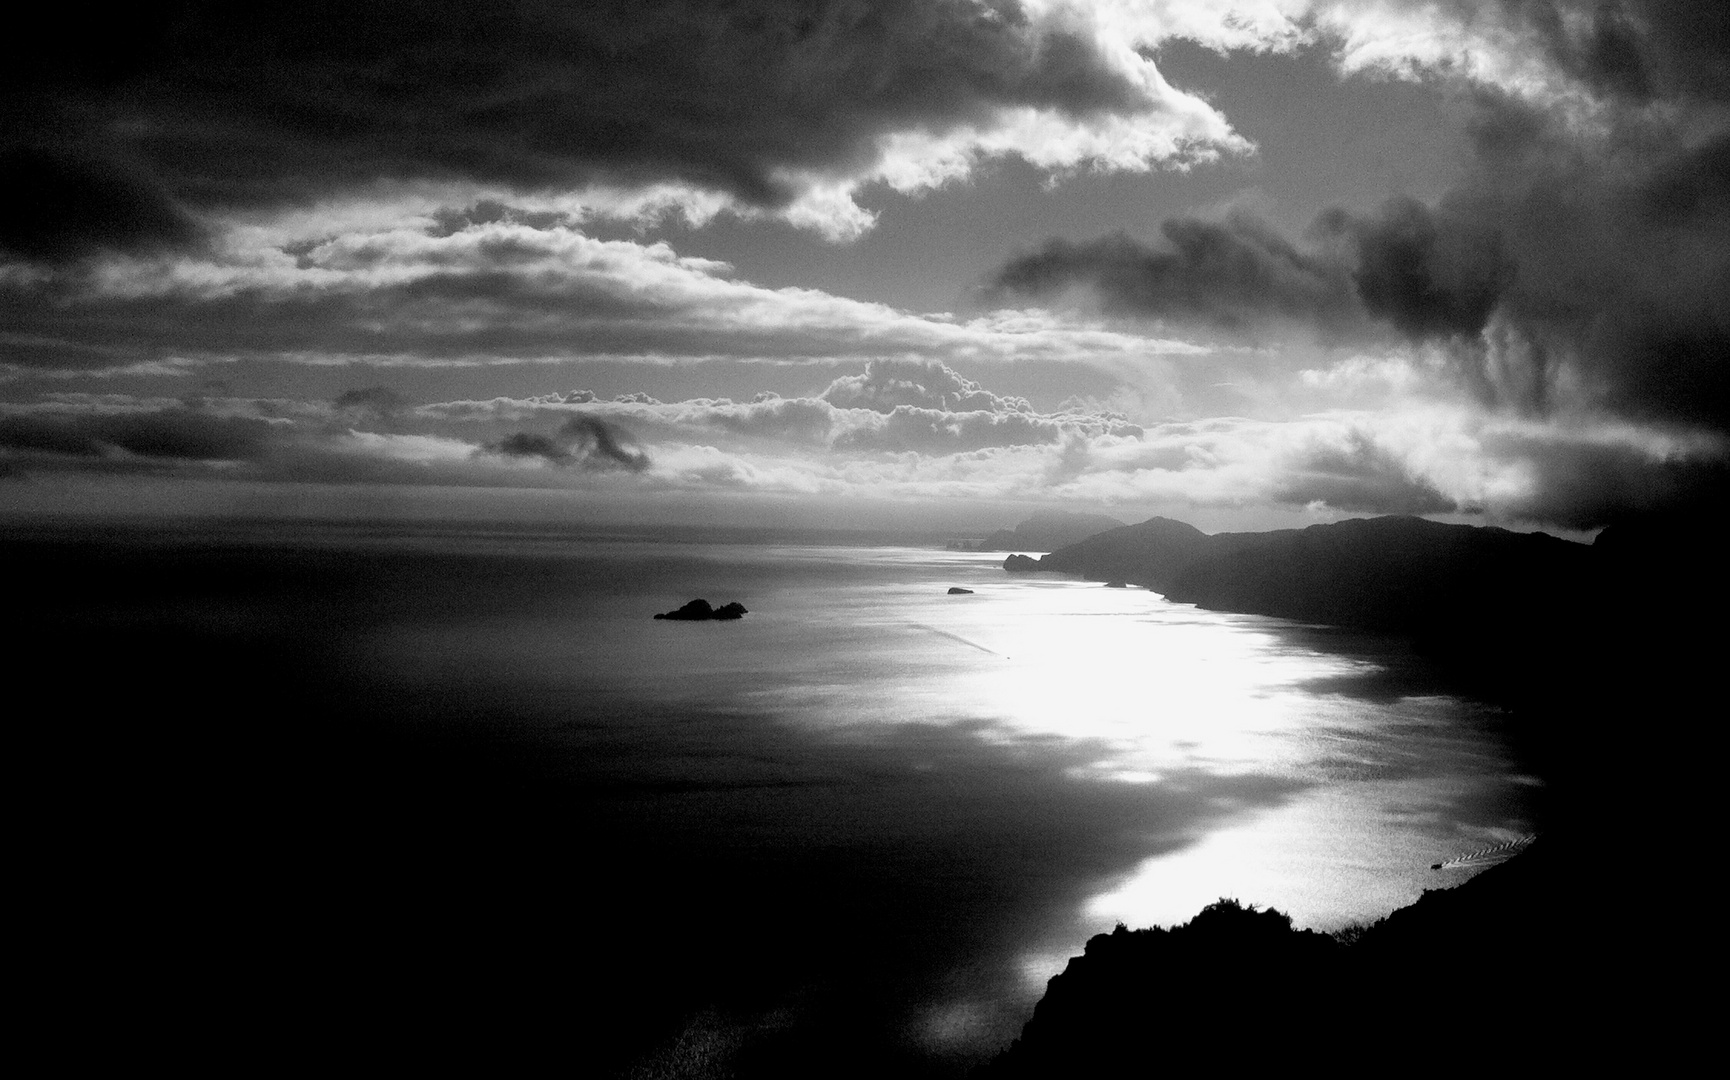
(761, 107)
(895, 430)
(342, 211)
(1580, 275)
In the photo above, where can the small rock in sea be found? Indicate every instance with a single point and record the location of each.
(1116, 585)
(699, 610)
(956, 590)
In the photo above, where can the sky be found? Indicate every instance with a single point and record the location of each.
(912, 263)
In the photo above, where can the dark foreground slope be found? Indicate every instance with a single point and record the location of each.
(1514, 969)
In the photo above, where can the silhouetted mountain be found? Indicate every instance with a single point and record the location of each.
(699, 610)
(1049, 531)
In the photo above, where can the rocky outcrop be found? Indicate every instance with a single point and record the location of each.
(700, 611)
(1021, 564)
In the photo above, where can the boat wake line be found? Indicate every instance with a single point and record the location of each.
(956, 637)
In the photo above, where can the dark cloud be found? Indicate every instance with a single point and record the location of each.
(1361, 477)
(583, 440)
(600, 442)
(56, 207)
(224, 106)
(1685, 45)
(1620, 254)
(455, 313)
(1634, 50)
(1429, 273)
(371, 402)
(1582, 267)
(1585, 485)
(1426, 272)
(1604, 50)
(532, 444)
(1232, 275)
(171, 434)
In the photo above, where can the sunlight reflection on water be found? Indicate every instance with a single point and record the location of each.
(1148, 690)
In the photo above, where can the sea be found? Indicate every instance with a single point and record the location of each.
(864, 824)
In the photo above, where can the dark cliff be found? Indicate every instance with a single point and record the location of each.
(1387, 573)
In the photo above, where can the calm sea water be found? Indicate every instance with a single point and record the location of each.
(1112, 756)
(870, 818)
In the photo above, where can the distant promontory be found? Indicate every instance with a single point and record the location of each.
(1049, 531)
(700, 611)
(1386, 573)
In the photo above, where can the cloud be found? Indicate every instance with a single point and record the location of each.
(1577, 278)
(56, 207)
(497, 291)
(1430, 273)
(1577, 481)
(371, 402)
(1360, 477)
(170, 434)
(583, 440)
(531, 444)
(887, 385)
(597, 440)
(1425, 458)
(1573, 54)
(135, 129)
(1231, 275)
(763, 106)
(892, 406)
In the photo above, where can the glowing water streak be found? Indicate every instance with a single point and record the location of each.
(1486, 856)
